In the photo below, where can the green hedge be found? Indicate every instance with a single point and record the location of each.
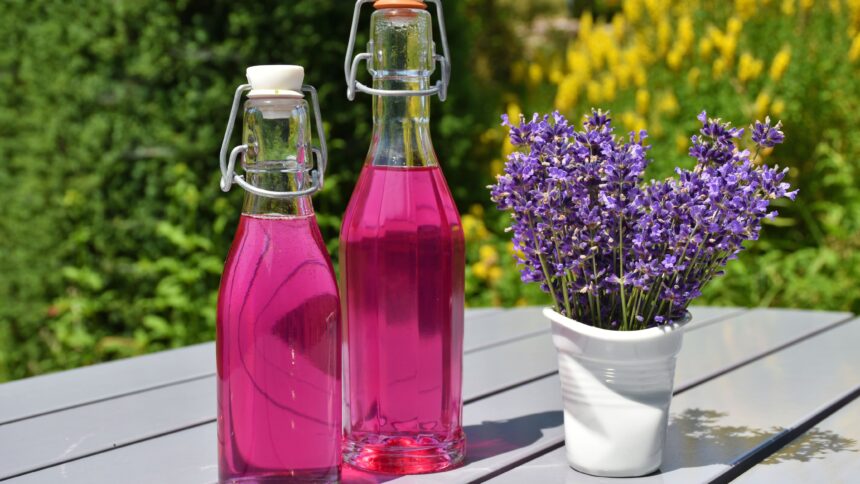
(113, 230)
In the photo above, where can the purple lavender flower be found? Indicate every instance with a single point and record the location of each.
(613, 250)
(767, 136)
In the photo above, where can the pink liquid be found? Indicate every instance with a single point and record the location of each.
(279, 387)
(402, 268)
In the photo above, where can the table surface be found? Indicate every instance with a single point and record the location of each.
(761, 396)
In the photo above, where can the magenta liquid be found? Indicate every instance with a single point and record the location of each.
(402, 269)
(279, 387)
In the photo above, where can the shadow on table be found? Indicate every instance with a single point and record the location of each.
(351, 475)
(697, 438)
(494, 437)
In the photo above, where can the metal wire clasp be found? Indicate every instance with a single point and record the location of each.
(228, 165)
(350, 64)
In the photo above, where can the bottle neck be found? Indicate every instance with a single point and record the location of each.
(279, 157)
(276, 180)
(401, 43)
(401, 125)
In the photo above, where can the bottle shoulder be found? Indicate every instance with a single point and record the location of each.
(396, 199)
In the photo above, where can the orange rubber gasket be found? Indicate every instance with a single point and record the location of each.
(399, 4)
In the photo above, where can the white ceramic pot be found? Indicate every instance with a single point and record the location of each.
(616, 387)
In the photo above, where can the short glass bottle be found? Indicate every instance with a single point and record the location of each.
(278, 328)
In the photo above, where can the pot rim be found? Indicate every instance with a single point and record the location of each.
(615, 335)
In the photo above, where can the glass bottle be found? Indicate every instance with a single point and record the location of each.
(278, 332)
(402, 266)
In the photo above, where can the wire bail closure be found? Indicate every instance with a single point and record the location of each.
(350, 64)
(228, 164)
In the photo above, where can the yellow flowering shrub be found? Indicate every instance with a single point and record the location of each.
(655, 64)
(780, 64)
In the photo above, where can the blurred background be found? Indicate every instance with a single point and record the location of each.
(113, 231)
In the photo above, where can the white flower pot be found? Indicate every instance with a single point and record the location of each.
(616, 387)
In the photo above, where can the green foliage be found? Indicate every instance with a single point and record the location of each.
(808, 257)
(113, 230)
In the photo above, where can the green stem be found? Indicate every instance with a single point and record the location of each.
(621, 271)
(546, 274)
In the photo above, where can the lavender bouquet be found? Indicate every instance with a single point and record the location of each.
(613, 250)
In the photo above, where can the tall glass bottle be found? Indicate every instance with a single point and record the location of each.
(278, 344)
(402, 267)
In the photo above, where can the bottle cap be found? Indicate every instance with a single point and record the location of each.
(379, 4)
(276, 81)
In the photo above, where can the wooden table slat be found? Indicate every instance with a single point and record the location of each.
(715, 425)
(829, 452)
(48, 393)
(60, 436)
(56, 391)
(476, 413)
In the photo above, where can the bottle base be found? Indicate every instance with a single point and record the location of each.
(321, 476)
(398, 454)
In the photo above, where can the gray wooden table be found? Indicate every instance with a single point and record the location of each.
(761, 396)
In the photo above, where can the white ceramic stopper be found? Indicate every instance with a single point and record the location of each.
(276, 80)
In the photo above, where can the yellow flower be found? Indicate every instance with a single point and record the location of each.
(578, 63)
(640, 77)
(628, 119)
(835, 6)
(777, 108)
(693, 76)
(594, 92)
(613, 55)
(706, 47)
(734, 26)
(806, 4)
(682, 144)
(762, 103)
(474, 228)
(535, 73)
(586, 22)
(568, 93)
(749, 67)
(854, 52)
(640, 125)
(491, 135)
(719, 68)
(488, 254)
(618, 26)
(643, 99)
(497, 166)
(477, 210)
(664, 35)
(480, 270)
(555, 73)
(668, 104)
(745, 8)
(674, 59)
(495, 274)
(632, 10)
(780, 63)
(514, 112)
(623, 73)
(632, 122)
(609, 87)
(686, 33)
(507, 147)
(787, 8)
(518, 71)
(727, 49)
